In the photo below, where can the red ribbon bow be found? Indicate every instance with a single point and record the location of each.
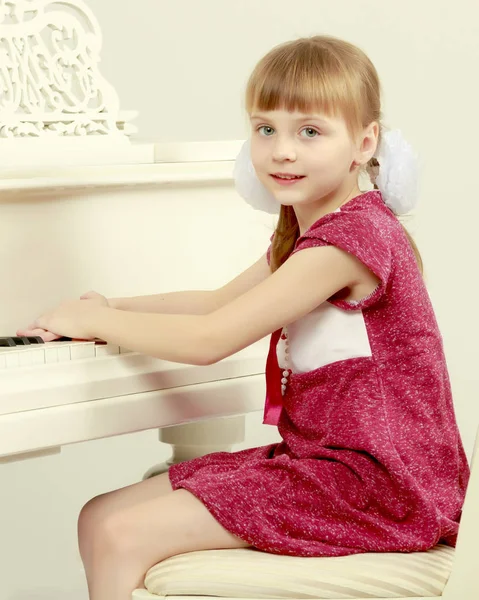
(274, 399)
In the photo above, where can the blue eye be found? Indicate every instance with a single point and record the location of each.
(268, 130)
(310, 132)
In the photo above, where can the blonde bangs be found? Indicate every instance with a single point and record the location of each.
(305, 77)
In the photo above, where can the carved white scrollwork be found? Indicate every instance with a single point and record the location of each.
(50, 83)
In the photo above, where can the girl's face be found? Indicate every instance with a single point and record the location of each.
(302, 158)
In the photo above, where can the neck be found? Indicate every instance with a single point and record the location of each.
(307, 214)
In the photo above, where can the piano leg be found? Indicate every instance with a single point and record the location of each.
(199, 438)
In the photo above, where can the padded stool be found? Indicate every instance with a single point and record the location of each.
(441, 572)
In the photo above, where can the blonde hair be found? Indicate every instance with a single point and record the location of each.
(308, 73)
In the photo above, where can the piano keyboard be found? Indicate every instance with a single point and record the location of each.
(63, 372)
(18, 352)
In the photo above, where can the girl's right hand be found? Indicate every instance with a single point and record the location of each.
(102, 300)
(48, 336)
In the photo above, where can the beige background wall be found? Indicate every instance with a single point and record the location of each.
(183, 64)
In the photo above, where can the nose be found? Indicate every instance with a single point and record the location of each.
(284, 149)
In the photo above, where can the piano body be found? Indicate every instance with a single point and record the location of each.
(97, 391)
(182, 228)
(83, 207)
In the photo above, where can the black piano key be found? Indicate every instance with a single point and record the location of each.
(17, 340)
(20, 340)
(35, 339)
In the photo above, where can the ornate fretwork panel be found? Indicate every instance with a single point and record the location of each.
(50, 83)
(55, 106)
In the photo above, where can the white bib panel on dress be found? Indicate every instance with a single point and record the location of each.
(324, 336)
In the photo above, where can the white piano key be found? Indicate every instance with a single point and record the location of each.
(51, 355)
(16, 356)
(11, 358)
(57, 352)
(106, 349)
(62, 351)
(82, 350)
(52, 352)
(31, 356)
(22, 356)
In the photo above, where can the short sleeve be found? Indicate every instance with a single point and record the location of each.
(359, 235)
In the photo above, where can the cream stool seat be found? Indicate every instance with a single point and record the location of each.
(248, 573)
(441, 572)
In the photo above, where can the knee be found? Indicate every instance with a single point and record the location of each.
(101, 527)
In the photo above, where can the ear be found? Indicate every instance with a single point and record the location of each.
(368, 142)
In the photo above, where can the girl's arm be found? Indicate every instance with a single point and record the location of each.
(303, 282)
(193, 302)
(196, 302)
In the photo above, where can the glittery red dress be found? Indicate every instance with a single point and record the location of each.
(371, 459)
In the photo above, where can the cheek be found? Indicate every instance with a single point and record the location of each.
(258, 155)
(254, 154)
(330, 161)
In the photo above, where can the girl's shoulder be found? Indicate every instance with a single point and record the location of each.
(367, 229)
(368, 211)
(363, 221)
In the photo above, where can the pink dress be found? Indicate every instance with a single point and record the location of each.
(371, 459)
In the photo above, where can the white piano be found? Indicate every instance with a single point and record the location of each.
(123, 230)
(83, 207)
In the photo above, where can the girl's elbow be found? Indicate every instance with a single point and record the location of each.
(210, 356)
(203, 359)
(212, 350)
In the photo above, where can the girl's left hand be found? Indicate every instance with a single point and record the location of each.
(72, 318)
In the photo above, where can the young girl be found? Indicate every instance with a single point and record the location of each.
(371, 459)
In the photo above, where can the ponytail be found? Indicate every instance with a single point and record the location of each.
(285, 236)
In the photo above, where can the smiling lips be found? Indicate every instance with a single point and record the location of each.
(286, 175)
(286, 178)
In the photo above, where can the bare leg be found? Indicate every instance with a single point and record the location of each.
(124, 533)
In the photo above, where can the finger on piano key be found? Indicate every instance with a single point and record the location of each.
(47, 336)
